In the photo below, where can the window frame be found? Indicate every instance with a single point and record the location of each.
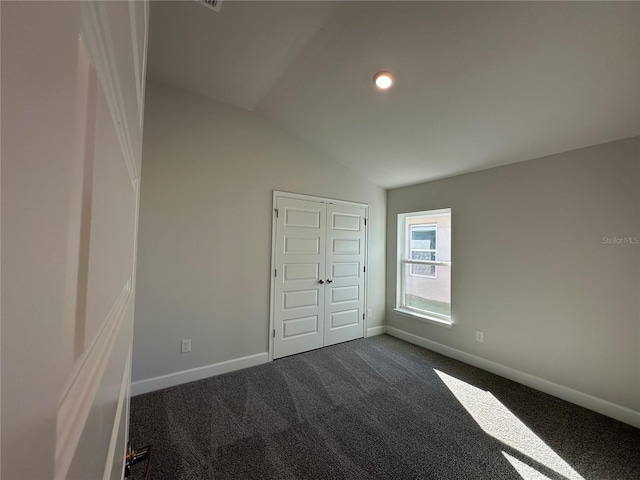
(404, 260)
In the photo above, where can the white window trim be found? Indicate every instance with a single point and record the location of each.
(402, 246)
(430, 318)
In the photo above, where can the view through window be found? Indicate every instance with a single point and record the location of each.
(424, 263)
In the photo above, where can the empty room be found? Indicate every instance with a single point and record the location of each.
(320, 240)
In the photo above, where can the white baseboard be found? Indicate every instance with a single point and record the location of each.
(199, 373)
(373, 331)
(585, 400)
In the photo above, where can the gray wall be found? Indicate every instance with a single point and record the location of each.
(531, 270)
(204, 247)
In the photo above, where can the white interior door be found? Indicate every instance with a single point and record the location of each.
(345, 257)
(72, 106)
(319, 259)
(299, 276)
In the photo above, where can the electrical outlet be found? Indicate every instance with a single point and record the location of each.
(480, 337)
(186, 346)
(369, 313)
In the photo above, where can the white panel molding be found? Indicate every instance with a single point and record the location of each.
(198, 373)
(124, 389)
(144, 60)
(582, 399)
(373, 331)
(133, 21)
(97, 36)
(80, 393)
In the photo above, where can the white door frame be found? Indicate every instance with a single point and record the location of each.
(280, 194)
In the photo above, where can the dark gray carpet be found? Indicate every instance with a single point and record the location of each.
(375, 408)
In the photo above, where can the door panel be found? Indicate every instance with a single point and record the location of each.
(301, 271)
(104, 429)
(344, 246)
(344, 296)
(38, 135)
(301, 245)
(344, 318)
(300, 299)
(345, 221)
(296, 327)
(345, 270)
(71, 89)
(300, 264)
(303, 218)
(112, 222)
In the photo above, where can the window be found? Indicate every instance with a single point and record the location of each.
(422, 246)
(424, 265)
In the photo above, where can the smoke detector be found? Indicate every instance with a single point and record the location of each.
(211, 4)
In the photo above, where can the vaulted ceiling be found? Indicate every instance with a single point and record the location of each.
(478, 84)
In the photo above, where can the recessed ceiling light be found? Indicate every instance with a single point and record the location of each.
(383, 80)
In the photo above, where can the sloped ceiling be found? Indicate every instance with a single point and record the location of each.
(478, 84)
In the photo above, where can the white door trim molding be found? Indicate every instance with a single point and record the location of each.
(298, 196)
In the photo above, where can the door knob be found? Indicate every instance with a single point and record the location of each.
(320, 282)
(329, 280)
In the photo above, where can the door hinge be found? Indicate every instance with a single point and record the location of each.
(365, 222)
(363, 316)
(274, 333)
(275, 272)
(276, 210)
(364, 269)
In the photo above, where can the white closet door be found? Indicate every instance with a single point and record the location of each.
(300, 267)
(344, 287)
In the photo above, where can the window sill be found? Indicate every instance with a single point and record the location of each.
(424, 318)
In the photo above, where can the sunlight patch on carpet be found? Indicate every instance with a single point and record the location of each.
(525, 471)
(498, 421)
